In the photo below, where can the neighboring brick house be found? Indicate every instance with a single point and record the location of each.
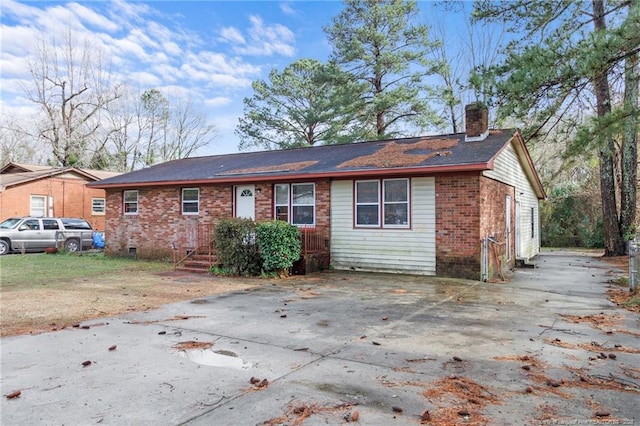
(423, 205)
(34, 190)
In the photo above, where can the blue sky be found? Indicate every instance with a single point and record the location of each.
(210, 50)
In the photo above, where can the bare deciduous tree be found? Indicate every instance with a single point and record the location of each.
(72, 86)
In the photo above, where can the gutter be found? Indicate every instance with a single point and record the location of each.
(422, 170)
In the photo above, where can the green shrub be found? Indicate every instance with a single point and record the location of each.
(236, 248)
(280, 246)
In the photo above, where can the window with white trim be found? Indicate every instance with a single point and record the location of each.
(130, 202)
(38, 206)
(295, 203)
(190, 200)
(97, 206)
(387, 199)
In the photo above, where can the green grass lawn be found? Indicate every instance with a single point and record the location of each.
(36, 268)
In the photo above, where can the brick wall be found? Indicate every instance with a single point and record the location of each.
(468, 208)
(71, 198)
(160, 224)
(493, 223)
(458, 226)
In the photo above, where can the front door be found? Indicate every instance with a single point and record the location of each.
(246, 201)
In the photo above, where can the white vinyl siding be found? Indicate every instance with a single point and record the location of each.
(411, 251)
(507, 169)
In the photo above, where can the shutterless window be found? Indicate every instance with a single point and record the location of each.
(303, 203)
(130, 202)
(368, 203)
(295, 203)
(394, 207)
(533, 222)
(282, 202)
(97, 206)
(190, 201)
(38, 205)
(396, 202)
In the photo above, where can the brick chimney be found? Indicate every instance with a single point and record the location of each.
(476, 122)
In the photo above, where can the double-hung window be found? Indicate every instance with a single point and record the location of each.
(130, 199)
(38, 205)
(382, 203)
(295, 203)
(190, 201)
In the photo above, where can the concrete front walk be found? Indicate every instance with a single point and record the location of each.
(545, 347)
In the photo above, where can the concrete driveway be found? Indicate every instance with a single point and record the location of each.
(545, 348)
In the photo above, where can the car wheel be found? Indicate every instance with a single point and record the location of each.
(71, 245)
(4, 247)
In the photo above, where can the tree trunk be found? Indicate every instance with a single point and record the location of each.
(613, 241)
(628, 201)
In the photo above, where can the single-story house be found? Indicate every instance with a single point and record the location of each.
(457, 205)
(36, 190)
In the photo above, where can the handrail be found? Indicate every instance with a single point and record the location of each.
(204, 238)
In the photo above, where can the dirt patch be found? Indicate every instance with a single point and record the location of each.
(61, 304)
(191, 344)
(297, 412)
(625, 299)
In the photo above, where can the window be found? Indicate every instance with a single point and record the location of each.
(50, 224)
(296, 203)
(368, 203)
(76, 224)
(394, 207)
(97, 206)
(31, 224)
(130, 202)
(282, 202)
(190, 201)
(38, 205)
(533, 222)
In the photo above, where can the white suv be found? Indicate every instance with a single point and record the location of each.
(22, 234)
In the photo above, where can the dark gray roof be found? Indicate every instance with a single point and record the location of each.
(407, 155)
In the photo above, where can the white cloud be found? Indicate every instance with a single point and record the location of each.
(217, 102)
(287, 9)
(263, 40)
(232, 35)
(145, 79)
(92, 18)
(143, 48)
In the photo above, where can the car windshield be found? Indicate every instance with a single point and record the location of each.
(10, 223)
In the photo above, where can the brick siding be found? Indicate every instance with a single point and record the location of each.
(458, 226)
(160, 224)
(71, 198)
(493, 210)
(468, 208)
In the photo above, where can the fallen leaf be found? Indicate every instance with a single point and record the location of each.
(14, 394)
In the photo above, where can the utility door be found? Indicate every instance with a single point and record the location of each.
(245, 201)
